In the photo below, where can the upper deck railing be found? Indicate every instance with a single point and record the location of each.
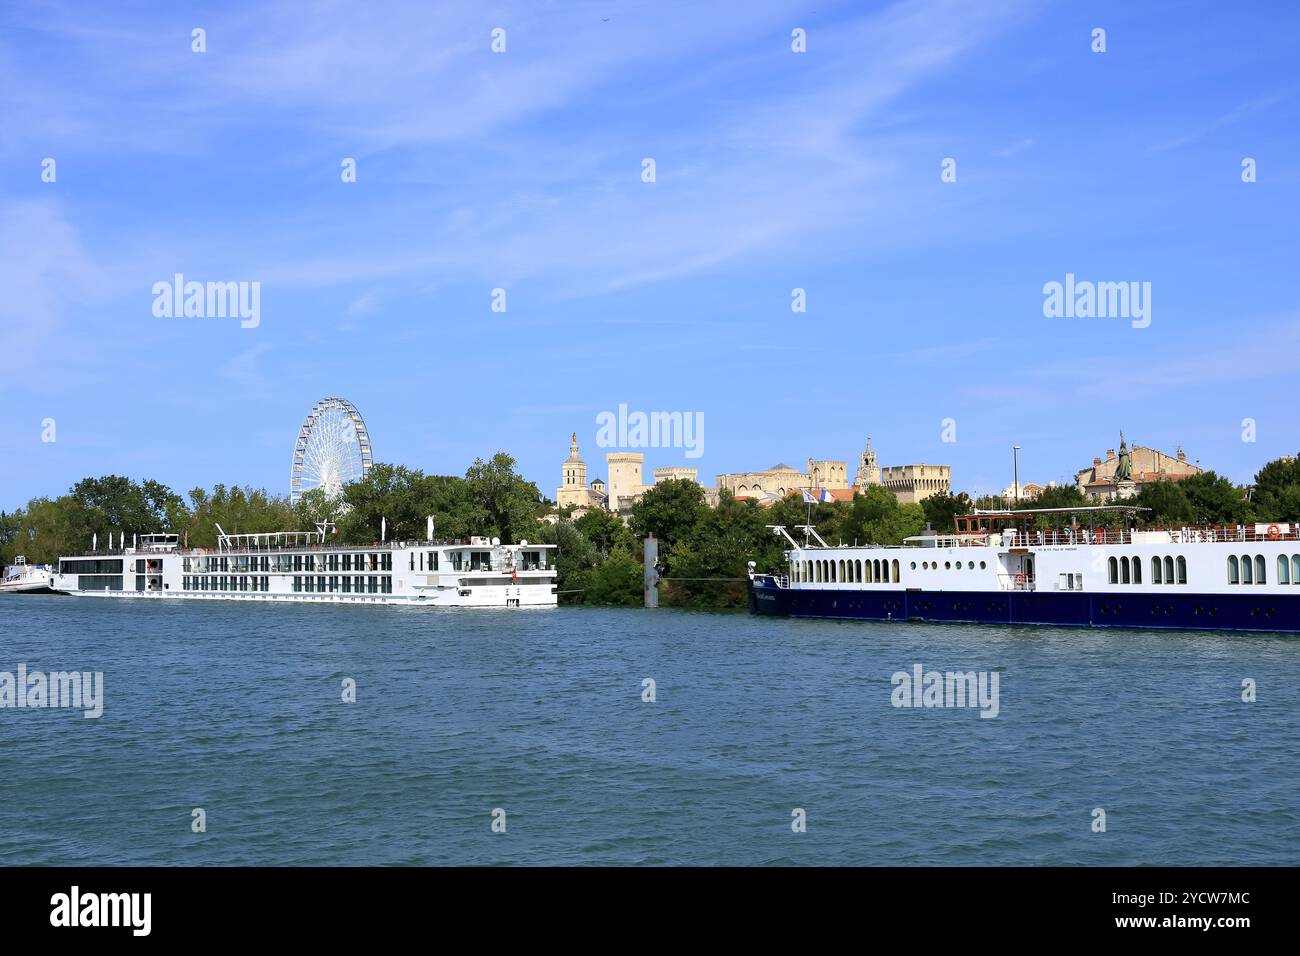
(1092, 537)
(1219, 534)
(315, 547)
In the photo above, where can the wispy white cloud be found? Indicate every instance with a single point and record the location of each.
(49, 281)
(1017, 147)
(246, 365)
(788, 170)
(1238, 113)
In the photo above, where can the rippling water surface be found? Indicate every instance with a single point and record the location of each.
(236, 708)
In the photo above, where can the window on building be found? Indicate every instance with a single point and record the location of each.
(895, 570)
(1113, 566)
(1137, 570)
(1247, 575)
(1233, 575)
(1155, 571)
(1283, 569)
(1261, 569)
(1182, 569)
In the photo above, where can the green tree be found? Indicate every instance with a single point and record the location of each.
(47, 529)
(1214, 499)
(238, 510)
(1277, 491)
(117, 504)
(709, 569)
(941, 508)
(619, 582)
(401, 499)
(878, 518)
(669, 510)
(1167, 502)
(509, 504)
(605, 531)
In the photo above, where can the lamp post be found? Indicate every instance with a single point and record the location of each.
(1015, 471)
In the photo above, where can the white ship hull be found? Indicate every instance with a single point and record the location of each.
(484, 597)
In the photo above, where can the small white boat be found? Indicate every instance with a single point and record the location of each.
(24, 578)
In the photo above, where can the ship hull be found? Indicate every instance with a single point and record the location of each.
(498, 597)
(1182, 612)
(27, 588)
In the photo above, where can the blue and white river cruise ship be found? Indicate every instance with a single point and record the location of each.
(991, 570)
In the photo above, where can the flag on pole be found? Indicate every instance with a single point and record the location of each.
(808, 499)
(826, 496)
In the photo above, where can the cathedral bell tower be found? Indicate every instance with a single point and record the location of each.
(868, 468)
(573, 483)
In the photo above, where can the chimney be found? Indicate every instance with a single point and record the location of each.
(1096, 463)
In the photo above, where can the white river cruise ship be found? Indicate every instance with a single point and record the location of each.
(309, 566)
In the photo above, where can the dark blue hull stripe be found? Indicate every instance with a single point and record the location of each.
(1209, 612)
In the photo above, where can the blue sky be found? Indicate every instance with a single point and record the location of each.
(522, 170)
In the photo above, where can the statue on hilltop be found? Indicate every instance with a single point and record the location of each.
(1124, 470)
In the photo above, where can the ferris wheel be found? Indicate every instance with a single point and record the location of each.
(333, 448)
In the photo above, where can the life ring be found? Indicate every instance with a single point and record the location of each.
(1274, 532)
(1019, 580)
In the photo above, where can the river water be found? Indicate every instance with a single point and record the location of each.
(237, 709)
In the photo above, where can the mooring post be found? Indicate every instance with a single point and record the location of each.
(651, 556)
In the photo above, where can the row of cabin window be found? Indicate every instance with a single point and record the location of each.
(1245, 570)
(331, 561)
(877, 571)
(1166, 570)
(363, 585)
(224, 582)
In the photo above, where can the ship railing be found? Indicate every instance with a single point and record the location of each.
(1015, 582)
(1220, 534)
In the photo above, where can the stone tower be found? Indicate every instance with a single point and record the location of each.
(868, 468)
(624, 477)
(573, 486)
